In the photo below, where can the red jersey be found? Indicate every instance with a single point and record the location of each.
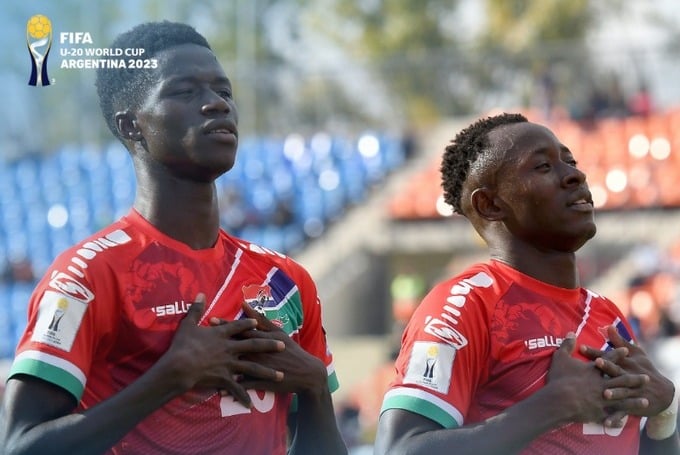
(483, 341)
(109, 307)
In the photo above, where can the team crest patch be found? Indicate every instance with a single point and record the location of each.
(430, 365)
(258, 296)
(59, 317)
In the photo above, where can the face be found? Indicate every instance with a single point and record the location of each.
(189, 120)
(544, 197)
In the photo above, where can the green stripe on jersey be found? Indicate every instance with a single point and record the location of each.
(333, 383)
(288, 313)
(49, 373)
(419, 406)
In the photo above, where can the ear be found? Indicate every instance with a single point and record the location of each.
(484, 204)
(126, 123)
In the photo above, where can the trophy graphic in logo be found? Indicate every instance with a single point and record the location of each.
(39, 41)
(59, 312)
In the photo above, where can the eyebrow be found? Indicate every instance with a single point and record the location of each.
(544, 150)
(192, 78)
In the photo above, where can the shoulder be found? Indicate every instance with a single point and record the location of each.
(457, 306)
(482, 278)
(273, 258)
(104, 243)
(75, 270)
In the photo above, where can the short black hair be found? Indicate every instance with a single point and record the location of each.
(123, 88)
(464, 150)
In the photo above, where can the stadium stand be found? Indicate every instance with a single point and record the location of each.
(280, 194)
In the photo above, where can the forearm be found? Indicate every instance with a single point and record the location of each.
(507, 433)
(316, 429)
(97, 429)
(668, 446)
(660, 435)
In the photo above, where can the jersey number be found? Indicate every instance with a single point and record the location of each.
(598, 428)
(230, 407)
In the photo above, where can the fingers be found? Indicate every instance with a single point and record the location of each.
(238, 391)
(568, 344)
(255, 384)
(196, 309)
(262, 345)
(256, 371)
(625, 386)
(615, 420)
(615, 355)
(616, 340)
(618, 354)
(231, 328)
(631, 406)
(262, 322)
(608, 367)
(609, 362)
(251, 376)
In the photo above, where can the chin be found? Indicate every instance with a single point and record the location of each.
(591, 232)
(587, 235)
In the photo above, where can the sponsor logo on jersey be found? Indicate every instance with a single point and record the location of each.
(171, 309)
(546, 341)
(68, 283)
(430, 365)
(442, 325)
(59, 317)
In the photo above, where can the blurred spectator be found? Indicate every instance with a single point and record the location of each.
(232, 213)
(283, 213)
(361, 411)
(406, 289)
(409, 144)
(641, 101)
(604, 99)
(18, 271)
(547, 91)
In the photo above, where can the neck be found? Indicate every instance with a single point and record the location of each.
(182, 209)
(553, 267)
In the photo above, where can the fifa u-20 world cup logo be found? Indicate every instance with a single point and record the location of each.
(39, 41)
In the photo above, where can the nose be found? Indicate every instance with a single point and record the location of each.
(214, 103)
(573, 176)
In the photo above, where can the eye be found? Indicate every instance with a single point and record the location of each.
(226, 94)
(182, 91)
(542, 166)
(572, 162)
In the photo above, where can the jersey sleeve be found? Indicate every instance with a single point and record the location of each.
(443, 352)
(66, 321)
(312, 334)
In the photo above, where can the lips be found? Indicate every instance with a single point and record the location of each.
(583, 200)
(220, 127)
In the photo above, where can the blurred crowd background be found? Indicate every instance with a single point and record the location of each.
(345, 107)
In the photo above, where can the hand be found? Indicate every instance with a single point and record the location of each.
(584, 384)
(214, 357)
(649, 398)
(302, 372)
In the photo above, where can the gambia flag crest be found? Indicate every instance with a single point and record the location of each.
(258, 296)
(275, 306)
